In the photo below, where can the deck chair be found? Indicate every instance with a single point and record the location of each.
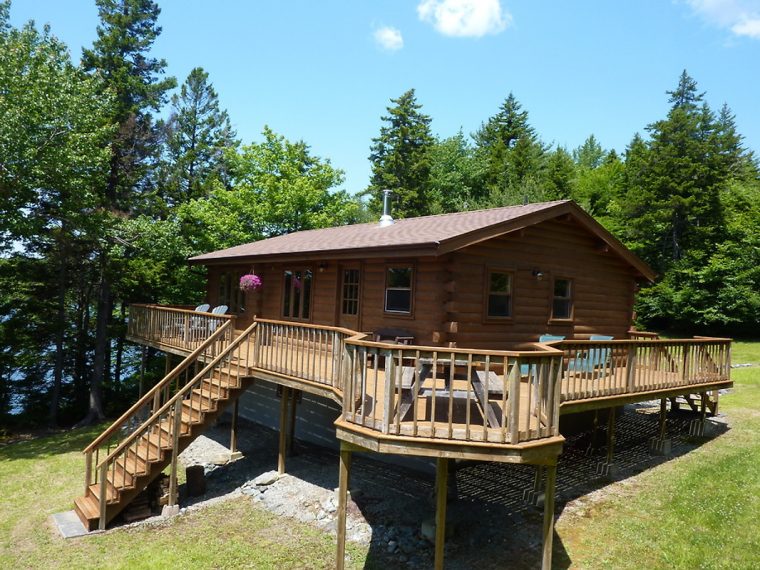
(591, 359)
(220, 310)
(202, 308)
(200, 327)
(525, 368)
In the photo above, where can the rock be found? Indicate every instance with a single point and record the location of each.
(392, 546)
(266, 478)
(168, 511)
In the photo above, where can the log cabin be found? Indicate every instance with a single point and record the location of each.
(456, 336)
(495, 278)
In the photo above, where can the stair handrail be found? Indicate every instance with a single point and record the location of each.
(179, 395)
(150, 394)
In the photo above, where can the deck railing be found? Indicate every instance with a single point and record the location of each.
(454, 394)
(307, 352)
(173, 383)
(172, 327)
(593, 369)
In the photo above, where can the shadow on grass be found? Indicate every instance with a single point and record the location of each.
(48, 444)
(490, 525)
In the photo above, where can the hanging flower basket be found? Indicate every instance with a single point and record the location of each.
(250, 282)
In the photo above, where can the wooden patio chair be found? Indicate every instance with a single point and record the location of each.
(591, 359)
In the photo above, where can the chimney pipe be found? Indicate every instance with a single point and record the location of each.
(386, 219)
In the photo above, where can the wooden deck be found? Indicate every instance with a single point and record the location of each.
(429, 401)
(493, 397)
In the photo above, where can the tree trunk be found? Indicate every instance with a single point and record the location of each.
(55, 393)
(96, 413)
(119, 351)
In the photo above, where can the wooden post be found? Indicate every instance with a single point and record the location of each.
(234, 429)
(87, 471)
(292, 421)
(663, 417)
(285, 396)
(610, 435)
(344, 476)
(538, 479)
(103, 497)
(441, 484)
(143, 362)
(177, 425)
(548, 534)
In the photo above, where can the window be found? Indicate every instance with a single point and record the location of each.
(296, 294)
(398, 290)
(229, 291)
(499, 294)
(350, 300)
(562, 302)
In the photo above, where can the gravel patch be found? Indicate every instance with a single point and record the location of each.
(391, 508)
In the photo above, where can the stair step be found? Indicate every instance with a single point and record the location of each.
(88, 506)
(120, 477)
(112, 493)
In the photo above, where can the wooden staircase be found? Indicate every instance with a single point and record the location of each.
(121, 462)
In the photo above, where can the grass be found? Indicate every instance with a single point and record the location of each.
(41, 477)
(697, 511)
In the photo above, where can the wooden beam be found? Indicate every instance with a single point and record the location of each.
(663, 417)
(234, 428)
(548, 530)
(292, 426)
(284, 400)
(441, 484)
(610, 435)
(344, 475)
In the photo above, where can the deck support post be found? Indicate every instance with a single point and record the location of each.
(344, 475)
(594, 443)
(660, 445)
(533, 495)
(610, 435)
(604, 468)
(548, 530)
(292, 422)
(285, 398)
(234, 453)
(441, 491)
(697, 427)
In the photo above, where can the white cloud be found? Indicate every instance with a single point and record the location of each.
(740, 17)
(465, 18)
(389, 38)
(748, 27)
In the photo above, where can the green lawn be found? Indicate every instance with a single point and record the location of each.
(42, 476)
(697, 511)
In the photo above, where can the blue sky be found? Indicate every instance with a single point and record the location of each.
(324, 71)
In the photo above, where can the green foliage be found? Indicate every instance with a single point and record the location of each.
(196, 138)
(513, 156)
(400, 159)
(454, 175)
(278, 187)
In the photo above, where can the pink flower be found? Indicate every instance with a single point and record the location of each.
(250, 282)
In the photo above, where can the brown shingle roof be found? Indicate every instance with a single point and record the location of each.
(427, 235)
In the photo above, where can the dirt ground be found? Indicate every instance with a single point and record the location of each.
(488, 524)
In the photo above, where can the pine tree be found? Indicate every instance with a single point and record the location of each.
(510, 150)
(196, 136)
(119, 59)
(400, 158)
(590, 154)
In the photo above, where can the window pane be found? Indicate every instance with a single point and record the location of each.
(399, 277)
(306, 294)
(500, 283)
(562, 288)
(561, 308)
(286, 294)
(398, 300)
(350, 305)
(297, 287)
(498, 305)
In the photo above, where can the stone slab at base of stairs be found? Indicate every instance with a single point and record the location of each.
(69, 525)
